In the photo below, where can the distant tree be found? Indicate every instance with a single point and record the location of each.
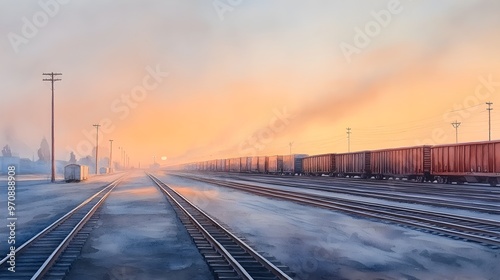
(44, 151)
(72, 158)
(88, 160)
(6, 152)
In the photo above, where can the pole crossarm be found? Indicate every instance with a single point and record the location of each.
(455, 125)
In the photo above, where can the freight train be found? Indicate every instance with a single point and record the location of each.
(475, 162)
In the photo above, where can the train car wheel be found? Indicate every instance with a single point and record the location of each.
(492, 182)
(441, 180)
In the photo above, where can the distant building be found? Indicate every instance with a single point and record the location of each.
(44, 151)
(5, 162)
(154, 165)
(26, 166)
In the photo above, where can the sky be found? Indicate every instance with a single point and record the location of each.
(199, 80)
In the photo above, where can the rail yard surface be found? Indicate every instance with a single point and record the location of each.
(193, 225)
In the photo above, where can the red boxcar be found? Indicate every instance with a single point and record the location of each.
(227, 166)
(245, 164)
(263, 164)
(235, 165)
(407, 162)
(319, 165)
(353, 164)
(477, 162)
(220, 164)
(254, 164)
(275, 164)
(292, 164)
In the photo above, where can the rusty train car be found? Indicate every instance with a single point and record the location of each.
(477, 162)
(474, 162)
(292, 164)
(413, 163)
(275, 164)
(353, 164)
(319, 165)
(263, 164)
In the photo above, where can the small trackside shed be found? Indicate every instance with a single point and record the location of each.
(319, 165)
(476, 162)
(405, 162)
(76, 172)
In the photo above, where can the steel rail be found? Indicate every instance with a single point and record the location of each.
(399, 197)
(262, 260)
(51, 259)
(421, 222)
(60, 248)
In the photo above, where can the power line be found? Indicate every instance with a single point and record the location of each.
(466, 108)
(52, 79)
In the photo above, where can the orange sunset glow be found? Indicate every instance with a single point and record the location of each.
(180, 80)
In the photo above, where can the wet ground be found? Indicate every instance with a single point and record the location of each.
(38, 202)
(323, 244)
(139, 237)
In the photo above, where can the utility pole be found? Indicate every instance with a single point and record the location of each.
(120, 151)
(456, 125)
(489, 119)
(96, 148)
(52, 79)
(111, 155)
(291, 143)
(349, 139)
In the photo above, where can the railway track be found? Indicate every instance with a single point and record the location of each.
(50, 253)
(482, 231)
(490, 205)
(484, 193)
(228, 256)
